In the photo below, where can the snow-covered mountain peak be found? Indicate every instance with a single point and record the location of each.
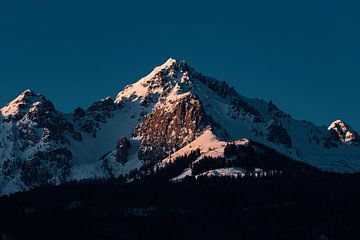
(174, 111)
(27, 92)
(167, 64)
(26, 101)
(344, 131)
(338, 122)
(160, 81)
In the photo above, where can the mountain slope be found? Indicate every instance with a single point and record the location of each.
(34, 142)
(169, 113)
(234, 117)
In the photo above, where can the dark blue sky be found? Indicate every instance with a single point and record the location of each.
(304, 55)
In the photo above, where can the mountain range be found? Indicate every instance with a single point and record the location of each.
(175, 116)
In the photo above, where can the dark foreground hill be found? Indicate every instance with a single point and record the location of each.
(301, 206)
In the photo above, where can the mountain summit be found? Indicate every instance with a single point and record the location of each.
(172, 114)
(345, 132)
(22, 103)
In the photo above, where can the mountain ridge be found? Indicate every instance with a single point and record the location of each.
(150, 120)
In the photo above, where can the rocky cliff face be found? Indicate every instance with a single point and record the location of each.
(162, 115)
(89, 120)
(276, 133)
(166, 130)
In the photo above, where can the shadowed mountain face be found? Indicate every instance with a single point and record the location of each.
(170, 113)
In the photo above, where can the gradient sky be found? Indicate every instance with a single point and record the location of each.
(304, 55)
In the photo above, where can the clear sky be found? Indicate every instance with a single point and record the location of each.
(304, 55)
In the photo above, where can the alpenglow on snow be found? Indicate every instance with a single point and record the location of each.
(172, 112)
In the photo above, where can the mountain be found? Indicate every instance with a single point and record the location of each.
(345, 132)
(175, 116)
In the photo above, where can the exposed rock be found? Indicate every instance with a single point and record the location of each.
(106, 104)
(220, 87)
(111, 161)
(55, 125)
(35, 149)
(331, 141)
(17, 108)
(275, 112)
(164, 131)
(171, 107)
(90, 120)
(276, 133)
(122, 150)
(241, 106)
(78, 114)
(344, 132)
